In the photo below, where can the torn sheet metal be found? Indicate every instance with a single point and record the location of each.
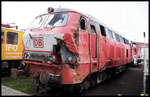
(70, 43)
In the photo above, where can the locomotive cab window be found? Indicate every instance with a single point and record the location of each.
(127, 41)
(82, 23)
(117, 37)
(93, 30)
(127, 53)
(12, 38)
(102, 30)
(121, 39)
(110, 35)
(2, 37)
(124, 40)
(59, 19)
(113, 34)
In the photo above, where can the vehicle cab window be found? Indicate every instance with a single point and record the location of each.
(82, 23)
(50, 20)
(57, 20)
(110, 35)
(93, 30)
(103, 32)
(121, 39)
(12, 38)
(2, 37)
(117, 37)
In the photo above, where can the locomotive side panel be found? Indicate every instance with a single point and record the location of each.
(12, 45)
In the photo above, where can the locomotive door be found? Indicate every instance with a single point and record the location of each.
(93, 41)
(93, 47)
(131, 56)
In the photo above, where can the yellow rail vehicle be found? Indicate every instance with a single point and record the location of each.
(11, 48)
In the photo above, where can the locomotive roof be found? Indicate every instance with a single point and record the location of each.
(12, 29)
(87, 15)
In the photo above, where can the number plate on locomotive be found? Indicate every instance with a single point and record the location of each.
(38, 42)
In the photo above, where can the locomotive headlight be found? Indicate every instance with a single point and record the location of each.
(54, 58)
(72, 59)
(51, 58)
(69, 59)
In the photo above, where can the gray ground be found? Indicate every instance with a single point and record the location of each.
(129, 82)
(6, 91)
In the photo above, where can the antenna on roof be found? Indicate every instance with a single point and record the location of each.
(50, 9)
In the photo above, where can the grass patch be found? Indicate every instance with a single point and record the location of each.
(23, 84)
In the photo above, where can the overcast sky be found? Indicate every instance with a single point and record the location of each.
(130, 19)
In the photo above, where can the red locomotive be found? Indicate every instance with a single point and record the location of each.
(73, 50)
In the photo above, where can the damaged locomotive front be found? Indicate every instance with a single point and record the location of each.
(51, 47)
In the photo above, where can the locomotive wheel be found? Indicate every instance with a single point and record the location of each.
(93, 83)
(36, 84)
(93, 80)
(39, 88)
(86, 84)
(68, 89)
(99, 78)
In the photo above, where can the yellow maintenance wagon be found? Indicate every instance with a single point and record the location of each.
(11, 48)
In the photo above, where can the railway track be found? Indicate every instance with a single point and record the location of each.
(55, 93)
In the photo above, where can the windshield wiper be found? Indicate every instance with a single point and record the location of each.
(30, 36)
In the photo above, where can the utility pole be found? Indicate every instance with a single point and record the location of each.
(145, 71)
